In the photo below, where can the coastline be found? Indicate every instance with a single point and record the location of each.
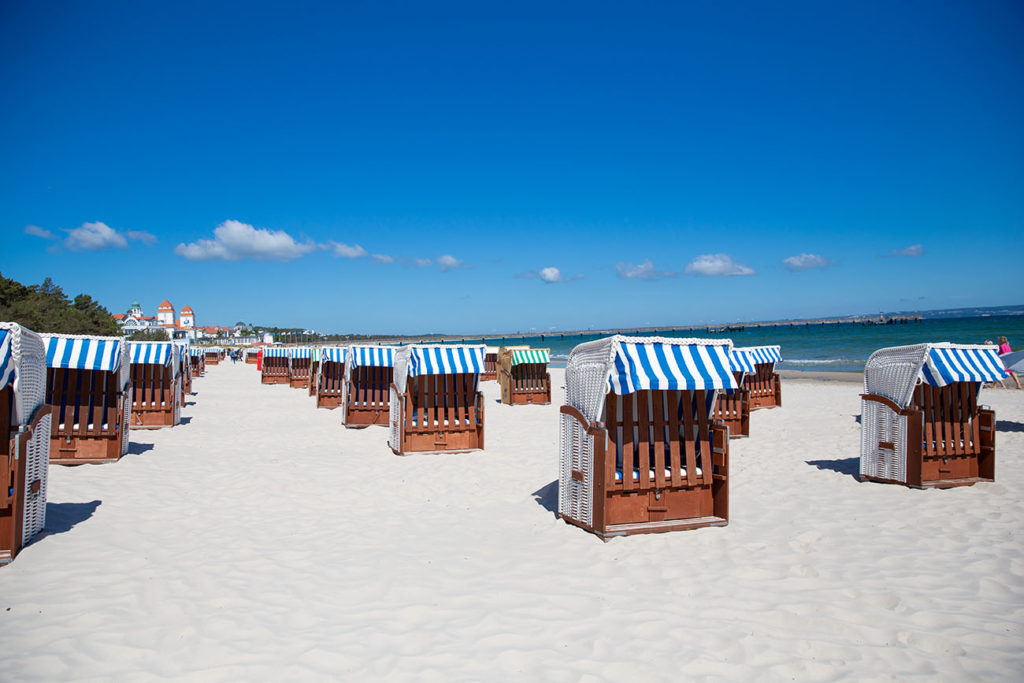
(822, 375)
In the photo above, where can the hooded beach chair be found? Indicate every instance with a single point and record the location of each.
(156, 385)
(213, 355)
(733, 405)
(763, 382)
(639, 452)
(24, 438)
(198, 360)
(329, 378)
(314, 370)
(435, 399)
(523, 375)
(921, 424)
(89, 391)
(366, 385)
(276, 367)
(300, 361)
(490, 363)
(251, 355)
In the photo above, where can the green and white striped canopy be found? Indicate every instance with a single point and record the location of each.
(522, 356)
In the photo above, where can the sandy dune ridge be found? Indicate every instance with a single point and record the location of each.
(262, 539)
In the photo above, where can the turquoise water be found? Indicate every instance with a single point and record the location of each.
(827, 347)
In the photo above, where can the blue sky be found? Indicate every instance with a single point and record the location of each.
(665, 159)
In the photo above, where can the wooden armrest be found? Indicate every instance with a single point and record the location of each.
(888, 403)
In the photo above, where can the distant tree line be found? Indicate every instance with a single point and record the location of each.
(46, 309)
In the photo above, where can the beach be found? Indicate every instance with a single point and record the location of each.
(261, 539)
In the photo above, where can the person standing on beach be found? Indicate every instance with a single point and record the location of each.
(1004, 348)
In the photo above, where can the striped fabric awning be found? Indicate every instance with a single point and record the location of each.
(252, 352)
(213, 349)
(764, 354)
(445, 360)
(333, 354)
(948, 364)
(83, 354)
(275, 353)
(742, 361)
(665, 366)
(150, 353)
(301, 352)
(373, 356)
(524, 356)
(6, 360)
(195, 351)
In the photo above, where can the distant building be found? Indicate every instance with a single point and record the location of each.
(135, 321)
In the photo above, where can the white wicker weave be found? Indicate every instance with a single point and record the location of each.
(586, 386)
(29, 355)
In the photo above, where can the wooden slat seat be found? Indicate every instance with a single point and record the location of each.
(367, 396)
(89, 415)
(526, 383)
(660, 464)
(298, 372)
(732, 409)
(156, 396)
(440, 413)
(764, 386)
(275, 370)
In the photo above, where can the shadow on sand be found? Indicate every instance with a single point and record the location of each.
(1009, 426)
(547, 497)
(850, 466)
(185, 420)
(138, 448)
(61, 517)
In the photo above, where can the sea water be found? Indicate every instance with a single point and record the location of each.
(835, 347)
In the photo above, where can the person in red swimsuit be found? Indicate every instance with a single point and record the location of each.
(1004, 348)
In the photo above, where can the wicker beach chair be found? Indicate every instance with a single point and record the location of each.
(300, 360)
(639, 452)
(276, 367)
(435, 400)
(314, 370)
(156, 385)
(213, 355)
(198, 360)
(366, 386)
(328, 381)
(24, 438)
(185, 369)
(523, 375)
(490, 364)
(251, 354)
(733, 405)
(89, 391)
(763, 382)
(921, 424)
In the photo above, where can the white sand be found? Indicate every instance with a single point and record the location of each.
(263, 540)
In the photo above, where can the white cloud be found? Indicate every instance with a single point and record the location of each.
(94, 236)
(549, 275)
(717, 264)
(806, 262)
(347, 250)
(234, 240)
(912, 251)
(36, 231)
(448, 262)
(383, 258)
(146, 238)
(423, 262)
(640, 271)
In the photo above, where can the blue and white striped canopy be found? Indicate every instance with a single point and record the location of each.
(213, 349)
(373, 356)
(446, 360)
(275, 352)
(742, 361)
(150, 353)
(83, 354)
(333, 354)
(665, 366)
(6, 360)
(195, 351)
(763, 354)
(946, 365)
(300, 352)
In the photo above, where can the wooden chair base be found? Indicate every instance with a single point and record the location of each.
(487, 376)
(358, 418)
(616, 530)
(152, 419)
(932, 484)
(273, 379)
(445, 442)
(250, 360)
(330, 401)
(85, 451)
(524, 398)
(299, 383)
